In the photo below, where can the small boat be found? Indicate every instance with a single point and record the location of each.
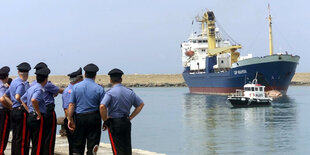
(253, 95)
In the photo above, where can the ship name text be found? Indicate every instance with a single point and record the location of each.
(240, 72)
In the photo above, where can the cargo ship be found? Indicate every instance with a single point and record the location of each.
(213, 65)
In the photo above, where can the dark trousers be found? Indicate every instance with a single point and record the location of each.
(50, 132)
(69, 135)
(88, 129)
(120, 135)
(37, 132)
(4, 129)
(20, 141)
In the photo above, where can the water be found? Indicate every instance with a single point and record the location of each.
(176, 122)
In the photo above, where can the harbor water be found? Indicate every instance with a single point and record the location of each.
(176, 122)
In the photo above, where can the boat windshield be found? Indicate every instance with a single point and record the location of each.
(247, 89)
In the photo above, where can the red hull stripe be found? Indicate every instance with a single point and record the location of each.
(40, 136)
(52, 136)
(24, 133)
(112, 143)
(3, 134)
(222, 90)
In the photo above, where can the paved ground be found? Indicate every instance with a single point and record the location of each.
(61, 148)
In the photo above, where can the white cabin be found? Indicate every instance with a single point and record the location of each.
(254, 90)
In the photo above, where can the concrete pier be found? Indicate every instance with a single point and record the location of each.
(61, 148)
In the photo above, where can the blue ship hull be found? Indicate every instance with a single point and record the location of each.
(275, 73)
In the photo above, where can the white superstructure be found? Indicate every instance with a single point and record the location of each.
(208, 43)
(198, 44)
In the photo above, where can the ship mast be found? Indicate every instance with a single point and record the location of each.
(209, 18)
(270, 32)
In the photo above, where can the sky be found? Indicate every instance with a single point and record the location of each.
(140, 36)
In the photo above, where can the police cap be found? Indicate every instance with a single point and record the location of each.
(43, 71)
(76, 73)
(23, 67)
(4, 71)
(91, 68)
(40, 65)
(116, 73)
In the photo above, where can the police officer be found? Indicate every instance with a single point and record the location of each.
(19, 113)
(4, 110)
(115, 109)
(85, 99)
(75, 77)
(37, 67)
(50, 90)
(34, 98)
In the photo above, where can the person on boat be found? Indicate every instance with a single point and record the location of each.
(5, 108)
(36, 121)
(85, 100)
(50, 91)
(75, 77)
(19, 113)
(115, 109)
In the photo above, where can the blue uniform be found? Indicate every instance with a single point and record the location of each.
(119, 100)
(65, 104)
(34, 92)
(86, 96)
(18, 86)
(4, 121)
(3, 88)
(33, 83)
(66, 96)
(49, 90)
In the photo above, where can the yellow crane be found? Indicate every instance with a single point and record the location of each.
(208, 19)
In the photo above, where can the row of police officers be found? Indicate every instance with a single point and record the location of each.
(29, 111)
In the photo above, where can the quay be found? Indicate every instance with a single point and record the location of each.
(61, 148)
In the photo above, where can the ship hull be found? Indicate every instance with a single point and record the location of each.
(275, 72)
(243, 102)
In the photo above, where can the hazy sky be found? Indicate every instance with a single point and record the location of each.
(140, 36)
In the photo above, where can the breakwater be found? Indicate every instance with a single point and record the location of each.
(156, 80)
(301, 79)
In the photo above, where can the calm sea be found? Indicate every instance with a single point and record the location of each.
(176, 122)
